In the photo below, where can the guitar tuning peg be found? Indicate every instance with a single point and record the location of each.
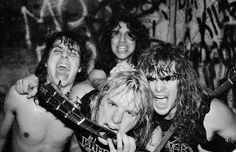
(58, 107)
(76, 106)
(66, 115)
(234, 69)
(48, 100)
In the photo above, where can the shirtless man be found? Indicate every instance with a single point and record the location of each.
(124, 106)
(33, 128)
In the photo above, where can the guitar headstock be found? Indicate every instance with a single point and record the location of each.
(53, 101)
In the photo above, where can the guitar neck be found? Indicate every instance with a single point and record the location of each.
(223, 87)
(69, 111)
(53, 101)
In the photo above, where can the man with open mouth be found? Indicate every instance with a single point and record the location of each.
(34, 129)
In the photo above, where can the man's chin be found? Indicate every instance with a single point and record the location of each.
(61, 82)
(161, 112)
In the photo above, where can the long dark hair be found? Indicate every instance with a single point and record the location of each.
(106, 58)
(189, 94)
(71, 38)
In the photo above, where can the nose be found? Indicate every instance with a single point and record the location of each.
(65, 54)
(159, 85)
(122, 37)
(117, 116)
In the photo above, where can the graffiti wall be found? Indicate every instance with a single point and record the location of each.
(205, 29)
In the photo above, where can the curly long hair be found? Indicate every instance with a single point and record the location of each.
(123, 83)
(106, 58)
(71, 39)
(189, 94)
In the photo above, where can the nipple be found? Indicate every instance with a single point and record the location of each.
(26, 134)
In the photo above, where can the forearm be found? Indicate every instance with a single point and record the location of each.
(97, 78)
(98, 83)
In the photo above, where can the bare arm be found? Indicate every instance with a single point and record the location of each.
(8, 115)
(79, 90)
(97, 78)
(220, 120)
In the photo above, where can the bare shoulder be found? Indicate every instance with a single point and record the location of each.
(221, 111)
(220, 119)
(218, 107)
(13, 99)
(80, 89)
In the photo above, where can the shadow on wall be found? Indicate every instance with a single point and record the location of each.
(16, 62)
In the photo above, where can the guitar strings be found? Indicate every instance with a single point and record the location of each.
(70, 114)
(219, 90)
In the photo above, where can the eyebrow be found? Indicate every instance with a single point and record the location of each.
(118, 27)
(109, 99)
(69, 48)
(133, 110)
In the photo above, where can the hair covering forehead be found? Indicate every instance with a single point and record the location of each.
(161, 59)
(132, 83)
(68, 42)
(163, 68)
(127, 94)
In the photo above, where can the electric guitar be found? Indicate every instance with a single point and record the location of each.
(87, 132)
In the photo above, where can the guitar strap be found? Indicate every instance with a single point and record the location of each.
(166, 137)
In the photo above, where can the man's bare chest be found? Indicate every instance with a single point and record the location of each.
(36, 125)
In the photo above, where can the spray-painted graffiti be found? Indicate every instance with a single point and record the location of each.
(61, 15)
(40, 10)
(203, 28)
(211, 40)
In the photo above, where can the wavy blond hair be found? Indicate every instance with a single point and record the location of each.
(125, 82)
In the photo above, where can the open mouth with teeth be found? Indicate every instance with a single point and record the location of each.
(158, 97)
(110, 128)
(161, 101)
(63, 67)
(122, 48)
